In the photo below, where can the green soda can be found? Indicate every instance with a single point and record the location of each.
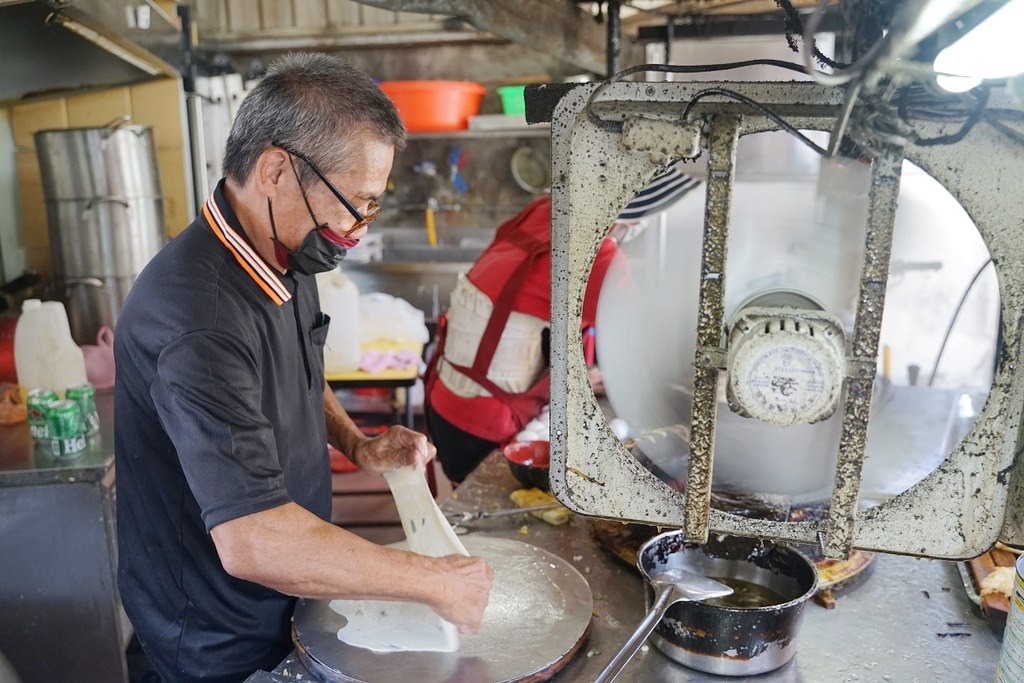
(37, 403)
(67, 429)
(85, 396)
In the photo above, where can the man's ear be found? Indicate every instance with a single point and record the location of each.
(270, 170)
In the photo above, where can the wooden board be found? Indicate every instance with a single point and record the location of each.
(994, 606)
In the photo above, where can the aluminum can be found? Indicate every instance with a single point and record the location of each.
(37, 404)
(67, 429)
(1011, 658)
(85, 396)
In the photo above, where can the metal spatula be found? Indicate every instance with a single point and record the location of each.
(670, 586)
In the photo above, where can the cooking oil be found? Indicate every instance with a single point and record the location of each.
(746, 595)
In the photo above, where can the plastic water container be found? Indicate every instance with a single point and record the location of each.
(339, 298)
(45, 355)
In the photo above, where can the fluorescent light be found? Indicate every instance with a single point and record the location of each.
(958, 83)
(992, 49)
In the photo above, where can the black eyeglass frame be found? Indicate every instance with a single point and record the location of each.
(361, 220)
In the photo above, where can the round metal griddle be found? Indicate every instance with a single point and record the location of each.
(537, 619)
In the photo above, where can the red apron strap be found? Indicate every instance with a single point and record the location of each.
(430, 374)
(525, 406)
(506, 298)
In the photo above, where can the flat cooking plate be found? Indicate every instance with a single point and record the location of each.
(537, 619)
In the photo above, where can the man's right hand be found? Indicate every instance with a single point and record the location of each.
(467, 587)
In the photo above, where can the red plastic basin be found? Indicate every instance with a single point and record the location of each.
(434, 106)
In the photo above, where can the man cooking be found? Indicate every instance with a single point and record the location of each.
(222, 413)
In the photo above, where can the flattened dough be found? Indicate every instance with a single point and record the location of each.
(387, 626)
(383, 626)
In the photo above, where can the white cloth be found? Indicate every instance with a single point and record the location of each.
(518, 359)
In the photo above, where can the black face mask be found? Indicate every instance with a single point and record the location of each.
(322, 249)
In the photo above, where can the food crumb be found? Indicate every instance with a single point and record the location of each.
(524, 530)
(577, 558)
(593, 653)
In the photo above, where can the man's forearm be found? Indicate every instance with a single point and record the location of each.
(342, 432)
(294, 552)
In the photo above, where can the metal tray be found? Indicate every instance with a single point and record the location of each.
(538, 617)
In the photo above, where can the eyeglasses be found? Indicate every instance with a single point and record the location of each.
(373, 208)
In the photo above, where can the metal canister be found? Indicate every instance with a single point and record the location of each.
(67, 429)
(85, 396)
(1011, 658)
(37, 403)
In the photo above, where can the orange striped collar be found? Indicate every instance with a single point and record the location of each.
(216, 214)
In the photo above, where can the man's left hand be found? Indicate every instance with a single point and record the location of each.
(394, 448)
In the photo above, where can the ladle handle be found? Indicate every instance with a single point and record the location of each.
(662, 601)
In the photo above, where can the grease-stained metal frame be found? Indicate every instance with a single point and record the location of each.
(972, 499)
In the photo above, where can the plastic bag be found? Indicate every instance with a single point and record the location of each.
(382, 316)
(99, 359)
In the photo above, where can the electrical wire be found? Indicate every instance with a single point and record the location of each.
(795, 25)
(676, 69)
(956, 314)
(965, 128)
(855, 70)
(1014, 135)
(779, 121)
(843, 120)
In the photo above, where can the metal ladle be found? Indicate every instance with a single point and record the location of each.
(670, 586)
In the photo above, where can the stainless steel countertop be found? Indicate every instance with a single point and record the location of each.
(24, 463)
(896, 625)
(910, 620)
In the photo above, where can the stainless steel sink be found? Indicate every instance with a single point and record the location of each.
(424, 253)
(422, 275)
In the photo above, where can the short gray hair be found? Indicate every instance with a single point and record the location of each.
(315, 104)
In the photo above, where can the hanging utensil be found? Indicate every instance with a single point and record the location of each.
(670, 586)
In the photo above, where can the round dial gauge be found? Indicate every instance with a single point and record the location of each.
(785, 370)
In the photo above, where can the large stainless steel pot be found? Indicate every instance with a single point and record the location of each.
(105, 213)
(731, 641)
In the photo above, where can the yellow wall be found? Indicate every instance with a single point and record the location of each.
(158, 103)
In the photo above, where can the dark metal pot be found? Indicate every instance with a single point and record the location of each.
(731, 641)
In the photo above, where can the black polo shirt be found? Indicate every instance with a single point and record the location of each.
(219, 414)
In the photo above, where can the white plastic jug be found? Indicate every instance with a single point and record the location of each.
(45, 355)
(339, 298)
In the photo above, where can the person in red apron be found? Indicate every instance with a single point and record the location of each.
(489, 375)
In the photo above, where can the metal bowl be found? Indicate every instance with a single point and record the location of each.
(727, 640)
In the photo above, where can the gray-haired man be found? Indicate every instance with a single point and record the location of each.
(222, 414)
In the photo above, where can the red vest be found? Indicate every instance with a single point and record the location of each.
(515, 274)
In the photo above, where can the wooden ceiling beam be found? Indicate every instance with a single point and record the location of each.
(555, 27)
(704, 8)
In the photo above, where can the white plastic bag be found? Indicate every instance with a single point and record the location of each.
(382, 316)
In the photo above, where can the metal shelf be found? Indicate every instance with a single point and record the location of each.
(540, 130)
